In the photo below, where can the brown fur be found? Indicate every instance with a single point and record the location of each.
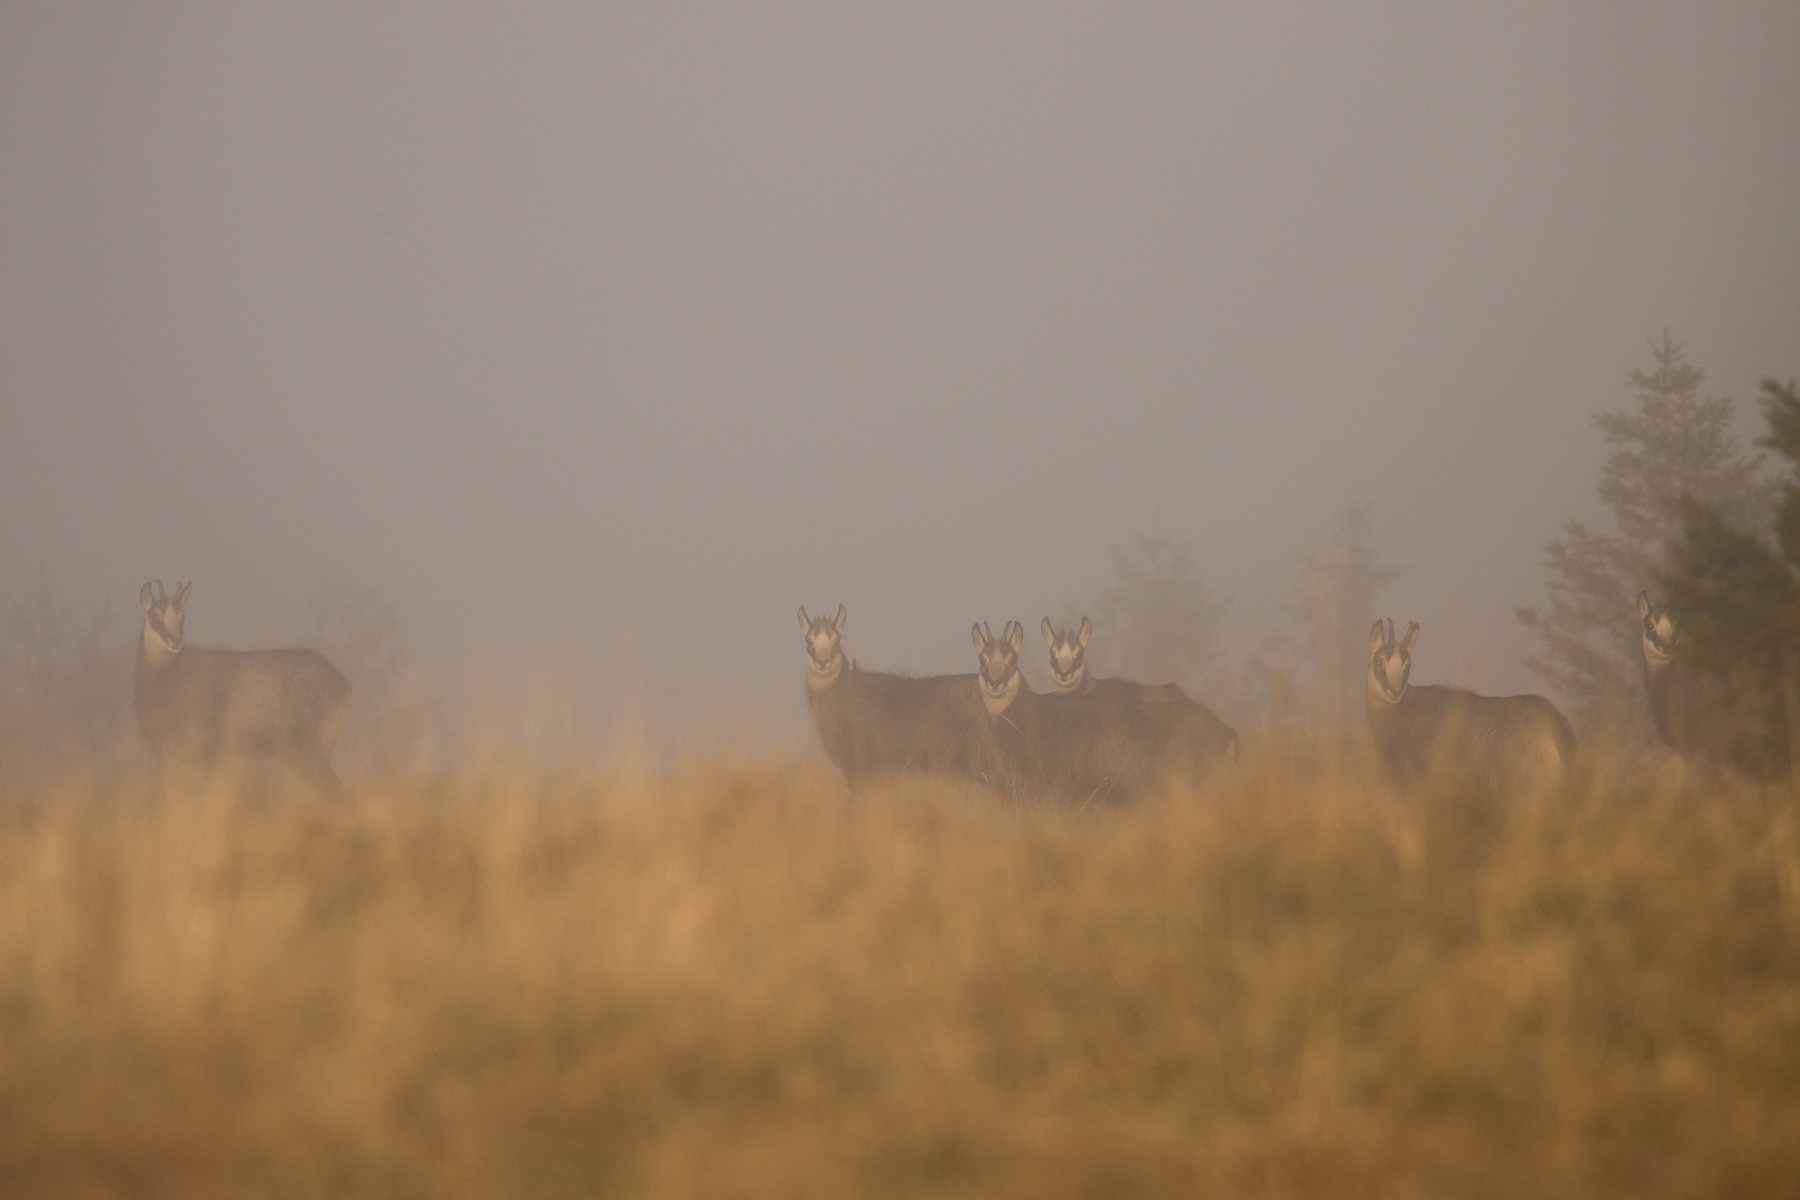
(1498, 743)
(1102, 745)
(1174, 718)
(873, 723)
(1691, 707)
(1181, 725)
(203, 706)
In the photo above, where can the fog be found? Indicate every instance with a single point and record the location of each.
(602, 336)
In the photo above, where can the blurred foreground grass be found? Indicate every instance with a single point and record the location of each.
(733, 982)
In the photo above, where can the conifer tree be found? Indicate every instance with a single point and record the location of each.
(1735, 596)
(1669, 447)
(1160, 621)
(1330, 606)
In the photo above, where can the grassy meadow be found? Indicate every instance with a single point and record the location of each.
(728, 980)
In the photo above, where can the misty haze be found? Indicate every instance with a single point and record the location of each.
(1291, 512)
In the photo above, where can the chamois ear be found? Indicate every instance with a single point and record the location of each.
(1643, 605)
(181, 593)
(1412, 635)
(839, 623)
(1377, 637)
(1087, 631)
(805, 625)
(1017, 638)
(146, 597)
(975, 636)
(1049, 634)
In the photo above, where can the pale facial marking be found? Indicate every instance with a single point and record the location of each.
(999, 674)
(1066, 666)
(164, 622)
(156, 648)
(824, 654)
(1388, 669)
(1659, 634)
(999, 678)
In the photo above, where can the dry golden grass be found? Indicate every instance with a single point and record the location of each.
(732, 982)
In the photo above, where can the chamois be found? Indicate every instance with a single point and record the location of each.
(1106, 746)
(1212, 737)
(200, 706)
(1692, 707)
(872, 723)
(1500, 743)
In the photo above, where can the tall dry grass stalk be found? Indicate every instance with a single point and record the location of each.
(733, 982)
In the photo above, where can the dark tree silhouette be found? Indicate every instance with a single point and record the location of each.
(1670, 446)
(1735, 596)
(1330, 607)
(1158, 622)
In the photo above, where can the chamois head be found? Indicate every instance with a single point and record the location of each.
(824, 645)
(1390, 661)
(164, 618)
(1067, 650)
(999, 663)
(1660, 634)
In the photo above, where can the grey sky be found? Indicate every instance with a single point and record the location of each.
(592, 326)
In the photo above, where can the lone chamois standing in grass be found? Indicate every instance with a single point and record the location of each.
(1212, 738)
(199, 706)
(1497, 743)
(1693, 708)
(873, 723)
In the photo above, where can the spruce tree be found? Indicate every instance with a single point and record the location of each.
(1735, 596)
(1330, 607)
(1670, 447)
(1159, 620)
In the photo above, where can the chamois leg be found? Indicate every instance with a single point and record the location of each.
(314, 768)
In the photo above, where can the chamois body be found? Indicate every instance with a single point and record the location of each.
(1176, 718)
(1497, 743)
(1106, 745)
(1080, 750)
(873, 723)
(203, 706)
(1186, 731)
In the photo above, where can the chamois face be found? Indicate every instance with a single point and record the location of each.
(1660, 634)
(999, 661)
(1067, 650)
(1390, 661)
(165, 617)
(824, 638)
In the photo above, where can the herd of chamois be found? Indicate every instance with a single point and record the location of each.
(1106, 741)
(1093, 740)
(1088, 741)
